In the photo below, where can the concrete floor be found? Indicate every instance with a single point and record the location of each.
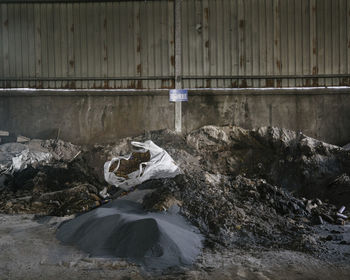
(29, 250)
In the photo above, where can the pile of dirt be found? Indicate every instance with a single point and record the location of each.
(63, 184)
(248, 187)
(291, 160)
(240, 187)
(237, 211)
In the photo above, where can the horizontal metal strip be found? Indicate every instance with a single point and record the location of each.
(163, 92)
(268, 77)
(173, 77)
(69, 1)
(88, 78)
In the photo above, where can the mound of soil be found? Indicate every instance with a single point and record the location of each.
(237, 211)
(291, 160)
(62, 185)
(240, 187)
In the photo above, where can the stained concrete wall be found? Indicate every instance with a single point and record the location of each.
(103, 116)
(320, 113)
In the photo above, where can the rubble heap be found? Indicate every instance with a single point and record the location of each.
(266, 187)
(59, 184)
(237, 211)
(285, 158)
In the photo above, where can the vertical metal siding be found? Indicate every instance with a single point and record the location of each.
(266, 43)
(130, 44)
(87, 45)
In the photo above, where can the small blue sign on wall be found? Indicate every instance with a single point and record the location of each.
(178, 95)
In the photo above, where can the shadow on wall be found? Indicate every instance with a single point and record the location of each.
(102, 117)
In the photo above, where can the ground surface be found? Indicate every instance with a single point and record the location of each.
(29, 250)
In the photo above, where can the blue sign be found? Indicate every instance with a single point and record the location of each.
(178, 95)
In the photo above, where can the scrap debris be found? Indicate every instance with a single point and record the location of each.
(45, 177)
(266, 187)
(22, 139)
(7, 137)
(236, 211)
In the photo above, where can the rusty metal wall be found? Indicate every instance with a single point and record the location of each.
(120, 44)
(130, 44)
(266, 43)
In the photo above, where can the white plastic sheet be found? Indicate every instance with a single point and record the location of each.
(16, 156)
(160, 165)
(28, 157)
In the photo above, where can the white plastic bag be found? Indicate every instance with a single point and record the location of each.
(160, 165)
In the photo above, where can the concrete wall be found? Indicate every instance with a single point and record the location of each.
(103, 116)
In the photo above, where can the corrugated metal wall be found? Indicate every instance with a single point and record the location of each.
(274, 42)
(130, 44)
(81, 45)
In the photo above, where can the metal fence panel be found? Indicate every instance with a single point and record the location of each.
(130, 44)
(266, 43)
(122, 44)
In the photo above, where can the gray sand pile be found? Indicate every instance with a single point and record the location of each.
(122, 229)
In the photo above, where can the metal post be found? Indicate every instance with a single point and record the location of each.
(178, 64)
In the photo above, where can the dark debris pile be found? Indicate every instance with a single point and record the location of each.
(244, 212)
(56, 188)
(285, 158)
(237, 184)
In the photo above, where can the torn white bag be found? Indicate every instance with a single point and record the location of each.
(160, 165)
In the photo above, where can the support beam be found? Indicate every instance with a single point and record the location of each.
(178, 64)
